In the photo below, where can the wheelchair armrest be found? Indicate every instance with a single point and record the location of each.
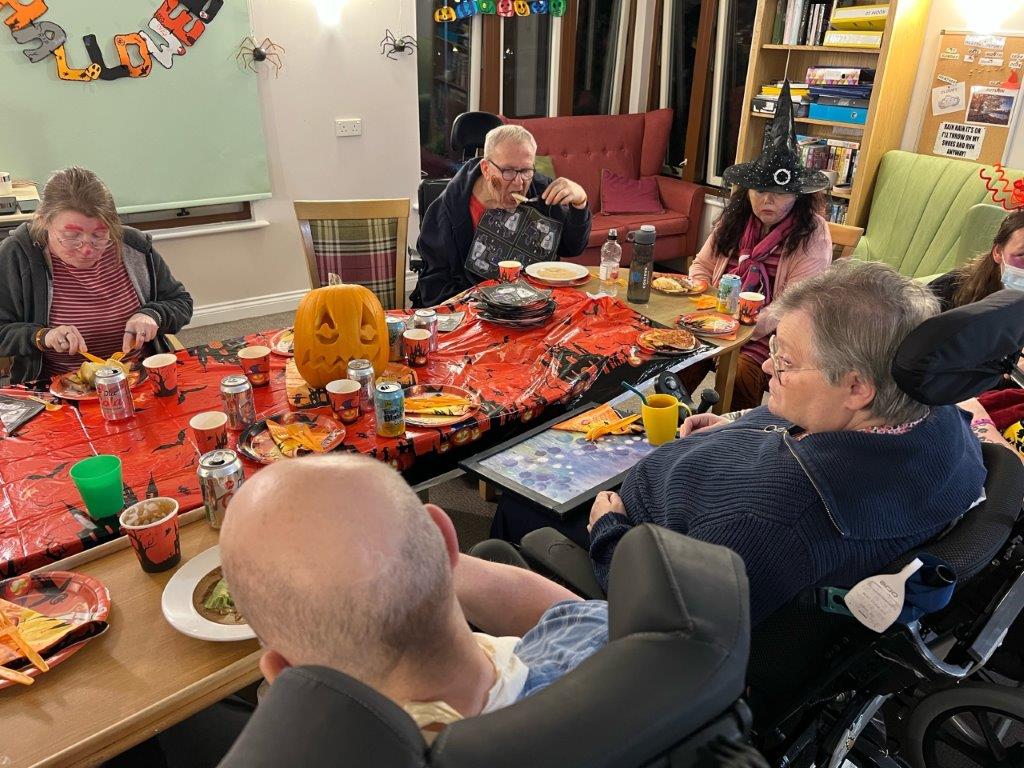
(415, 262)
(991, 635)
(564, 559)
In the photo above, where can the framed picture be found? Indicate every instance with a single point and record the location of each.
(557, 469)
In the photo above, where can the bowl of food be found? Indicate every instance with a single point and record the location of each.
(197, 601)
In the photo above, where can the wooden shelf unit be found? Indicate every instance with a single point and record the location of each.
(895, 64)
(812, 121)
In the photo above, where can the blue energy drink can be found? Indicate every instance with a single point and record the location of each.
(389, 407)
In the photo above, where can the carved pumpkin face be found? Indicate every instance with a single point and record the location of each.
(487, 7)
(522, 7)
(466, 9)
(557, 7)
(337, 324)
(505, 8)
(444, 13)
(539, 6)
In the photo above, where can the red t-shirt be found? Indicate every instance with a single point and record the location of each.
(97, 301)
(476, 210)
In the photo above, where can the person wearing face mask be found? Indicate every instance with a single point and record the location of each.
(74, 280)
(1002, 267)
(771, 235)
(450, 222)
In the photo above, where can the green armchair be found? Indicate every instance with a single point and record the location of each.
(925, 217)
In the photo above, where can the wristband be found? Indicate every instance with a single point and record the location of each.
(37, 338)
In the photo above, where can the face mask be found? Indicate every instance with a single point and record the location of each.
(1013, 277)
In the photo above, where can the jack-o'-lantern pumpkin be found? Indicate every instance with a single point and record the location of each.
(336, 324)
(556, 7)
(505, 8)
(539, 6)
(522, 7)
(488, 7)
(444, 13)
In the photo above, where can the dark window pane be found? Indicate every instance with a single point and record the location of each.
(739, 31)
(597, 31)
(443, 88)
(683, 31)
(526, 64)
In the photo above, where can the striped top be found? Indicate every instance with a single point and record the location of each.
(98, 301)
(757, 350)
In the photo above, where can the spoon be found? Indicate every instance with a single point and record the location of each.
(520, 199)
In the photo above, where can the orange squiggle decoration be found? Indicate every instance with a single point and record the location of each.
(1002, 192)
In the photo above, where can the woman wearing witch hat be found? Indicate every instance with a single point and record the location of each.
(771, 235)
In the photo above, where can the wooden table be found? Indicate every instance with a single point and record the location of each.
(664, 309)
(137, 679)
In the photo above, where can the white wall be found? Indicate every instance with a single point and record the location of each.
(966, 15)
(329, 72)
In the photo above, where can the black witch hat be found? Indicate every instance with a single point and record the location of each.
(778, 168)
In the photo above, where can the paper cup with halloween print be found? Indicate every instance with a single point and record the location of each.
(152, 529)
(255, 364)
(750, 307)
(345, 396)
(416, 347)
(508, 271)
(163, 372)
(209, 430)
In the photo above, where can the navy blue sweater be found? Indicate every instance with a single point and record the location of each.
(827, 510)
(446, 235)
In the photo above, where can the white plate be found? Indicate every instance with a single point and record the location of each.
(571, 272)
(182, 615)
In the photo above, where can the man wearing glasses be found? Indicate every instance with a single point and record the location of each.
(506, 169)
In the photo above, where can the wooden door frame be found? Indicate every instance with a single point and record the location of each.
(490, 65)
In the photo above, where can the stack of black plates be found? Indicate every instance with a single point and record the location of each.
(514, 305)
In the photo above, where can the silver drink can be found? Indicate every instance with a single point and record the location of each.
(427, 318)
(236, 392)
(220, 476)
(362, 371)
(396, 327)
(114, 395)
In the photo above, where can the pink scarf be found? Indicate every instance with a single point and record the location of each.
(753, 276)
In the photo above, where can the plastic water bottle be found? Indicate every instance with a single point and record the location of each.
(638, 290)
(611, 257)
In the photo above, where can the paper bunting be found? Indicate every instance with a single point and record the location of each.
(465, 9)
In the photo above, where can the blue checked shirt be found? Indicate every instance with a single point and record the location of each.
(565, 636)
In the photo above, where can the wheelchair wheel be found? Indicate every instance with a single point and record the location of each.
(975, 724)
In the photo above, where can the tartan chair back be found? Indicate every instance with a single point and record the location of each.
(362, 241)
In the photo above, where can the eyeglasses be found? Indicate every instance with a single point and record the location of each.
(509, 174)
(74, 242)
(777, 366)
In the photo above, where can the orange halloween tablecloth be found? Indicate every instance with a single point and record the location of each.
(515, 373)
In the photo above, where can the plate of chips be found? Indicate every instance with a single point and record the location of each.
(667, 341)
(438, 405)
(708, 323)
(677, 285)
(288, 435)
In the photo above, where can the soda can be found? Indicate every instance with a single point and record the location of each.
(114, 395)
(220, 476)
(396, 327)
(427, 318)
(729, 294)
(389, 406)
(362, 371)
(236, 393)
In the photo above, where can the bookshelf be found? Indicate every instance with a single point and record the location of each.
(895, 65)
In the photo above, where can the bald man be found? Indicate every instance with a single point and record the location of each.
(334, 561)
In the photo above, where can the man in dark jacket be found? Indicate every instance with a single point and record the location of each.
(450, 222)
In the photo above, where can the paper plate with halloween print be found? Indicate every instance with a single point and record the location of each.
(71, 386)
(283, 343)
(708, 323)
(266, 444)
(438, 405)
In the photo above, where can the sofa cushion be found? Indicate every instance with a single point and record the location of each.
(620, 194)
(668, 223)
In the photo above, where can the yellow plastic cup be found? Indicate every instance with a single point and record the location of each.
(661, 418)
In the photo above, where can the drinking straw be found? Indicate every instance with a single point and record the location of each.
(636, 391)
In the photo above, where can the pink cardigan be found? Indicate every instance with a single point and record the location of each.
(813, 257)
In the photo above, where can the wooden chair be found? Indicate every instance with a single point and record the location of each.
(362, 241)
(845, 238)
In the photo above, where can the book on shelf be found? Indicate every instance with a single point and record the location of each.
(795, 89)
(837, 210)
(839, 75)
(801, 22)
(841, 91)
(780, 22)
(857, 17)
(852, 39)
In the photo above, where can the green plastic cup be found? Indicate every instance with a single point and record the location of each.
(98, 480)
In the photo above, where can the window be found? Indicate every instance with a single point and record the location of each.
(188, 217)
(683, 29)
(444, 85)
(735, 29)
(597, 31)
(526, 65)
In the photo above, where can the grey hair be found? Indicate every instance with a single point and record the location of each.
(80, 190)
(507, 134)
(860, 314)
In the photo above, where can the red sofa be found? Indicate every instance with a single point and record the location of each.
(633, 146)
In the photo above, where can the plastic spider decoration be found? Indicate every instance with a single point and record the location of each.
(391, 46)
(251, 54)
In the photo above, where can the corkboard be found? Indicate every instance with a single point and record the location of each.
(972, 104)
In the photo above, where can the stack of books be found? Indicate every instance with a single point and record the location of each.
(837, 155)
(836, 211)
(828, 22)
(857, 26)
(766, 102)
(840, 94)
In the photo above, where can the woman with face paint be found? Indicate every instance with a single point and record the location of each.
(1001, 267)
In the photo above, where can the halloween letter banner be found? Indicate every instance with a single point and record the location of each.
(464, 9)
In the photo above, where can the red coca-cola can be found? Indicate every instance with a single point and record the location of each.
(114, 395)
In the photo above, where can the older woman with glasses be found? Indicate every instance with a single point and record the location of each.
(506, 170)
(75, 280)
(839, 474)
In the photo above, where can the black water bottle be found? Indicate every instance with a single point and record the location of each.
(642, 264)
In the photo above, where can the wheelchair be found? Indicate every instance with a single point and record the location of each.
(940, 691)
(665, 690)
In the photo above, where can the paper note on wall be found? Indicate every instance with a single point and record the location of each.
(985, 41)
(959, 140)
(949, 98)
(991, 106)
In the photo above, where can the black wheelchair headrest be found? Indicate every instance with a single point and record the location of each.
(470, 128)
(676, 661)
(960, 353)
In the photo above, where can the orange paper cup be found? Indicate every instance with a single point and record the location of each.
(416, 347)
(156, 544)
(750, 307)
(345, 395)
(163, 372)
(209, 430)
(508, 271)
(255, 364)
